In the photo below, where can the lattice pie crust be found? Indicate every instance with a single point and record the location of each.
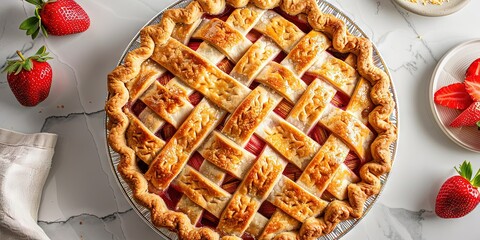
(240, 105)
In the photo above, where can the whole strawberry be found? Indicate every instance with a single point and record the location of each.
(30, 78)
(56, 17)
(459, 194)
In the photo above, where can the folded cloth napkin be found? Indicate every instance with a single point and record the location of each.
(25, 161)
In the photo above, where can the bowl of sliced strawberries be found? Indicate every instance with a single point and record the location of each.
(455, 93)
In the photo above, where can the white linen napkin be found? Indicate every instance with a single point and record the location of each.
(25, 161)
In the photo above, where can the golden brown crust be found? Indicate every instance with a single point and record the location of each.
(183, 32)
(149, 72)
(379, 118)
(243, 19)
(141, 140)
(336, 72)
(307, 111)
(254, 189)
(151, 120)
(254, 60)
(306, 52)
(225, 154)
(202, 191)
(279, 222)
(360, 104)
(296, 201)
(248, 115)
(282, 80)
(339, 185)
(171, 106)
(224, 37)
(351, 130)
(319, 172)
(280, 30)
(293, 144)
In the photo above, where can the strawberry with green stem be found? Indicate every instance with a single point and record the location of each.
(30, 78)
(459, 195)
(56, 17)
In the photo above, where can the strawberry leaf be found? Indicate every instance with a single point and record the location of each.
(478, 125)
(44, 31)
(35, 2)
(35, 34)
(32, 30)
(476, 180)
(41, 50)
(33, 24)
(11, 67)
(28, 65)
(29, 23)
(19, 69)
(465, 170)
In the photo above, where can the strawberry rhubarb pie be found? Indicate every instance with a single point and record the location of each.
(259, 119)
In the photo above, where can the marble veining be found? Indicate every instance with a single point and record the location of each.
(411, 25)
(82, 199)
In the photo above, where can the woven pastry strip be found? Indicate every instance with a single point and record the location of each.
(225, 38)
(336, 72)
(170, 106)
(306, 52)
(255, 59)
(281, 31)
(253, 190)
(283, 81)
(140, 139)
(150, 71)
(227, 155)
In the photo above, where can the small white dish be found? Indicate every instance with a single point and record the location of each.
(451, 69)
(432, 10)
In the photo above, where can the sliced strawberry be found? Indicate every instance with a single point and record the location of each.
(473, 69)
(469, 117)
(472, 85)
(453, 96)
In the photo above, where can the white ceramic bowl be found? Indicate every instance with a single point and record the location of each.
(432, 10)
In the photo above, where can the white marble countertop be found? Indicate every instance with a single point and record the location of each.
(81, 198)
